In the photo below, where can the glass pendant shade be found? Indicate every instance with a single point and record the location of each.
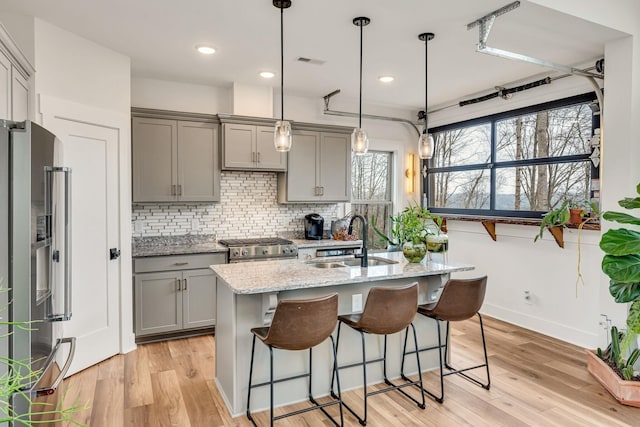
(282, 136)
(359, 141)
(425, 146)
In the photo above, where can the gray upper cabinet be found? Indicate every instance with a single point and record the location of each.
(175, 161)
(250, 147)
(319, 168)
(15, 71)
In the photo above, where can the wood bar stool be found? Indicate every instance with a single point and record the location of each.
(387, 311)
(461, 299)
(298, 325)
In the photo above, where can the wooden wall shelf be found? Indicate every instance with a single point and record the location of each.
(489, 224)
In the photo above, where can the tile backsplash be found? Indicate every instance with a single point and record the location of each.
(248, 208)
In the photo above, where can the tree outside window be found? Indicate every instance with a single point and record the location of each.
(518, 163)
(371, 191)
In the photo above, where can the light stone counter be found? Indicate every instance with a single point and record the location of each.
(276, 276)
(248, 293)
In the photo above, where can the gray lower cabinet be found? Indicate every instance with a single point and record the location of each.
(175, 161)
(250, 147)
(175, 293)
(319, 168)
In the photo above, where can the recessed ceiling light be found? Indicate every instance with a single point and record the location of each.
(205, 50)
(267, 74)
(386, 79)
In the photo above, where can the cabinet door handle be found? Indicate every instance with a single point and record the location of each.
(173, 190)
(178, 284)
(179, 190)
(258, 157)
(184, 284)
(253, 157)
(181, 263)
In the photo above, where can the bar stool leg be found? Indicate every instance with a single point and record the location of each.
(271, 384)
(440, 398)
(364, 376)
(486, 386)
(334, 347)
(253, 347)
(333, 376)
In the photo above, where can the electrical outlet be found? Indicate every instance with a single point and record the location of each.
(138, 226)
(195, 225)
(528, 298)
(356, 303)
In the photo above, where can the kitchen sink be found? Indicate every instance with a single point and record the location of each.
(326, 264)
(372, 261)
(355, 262)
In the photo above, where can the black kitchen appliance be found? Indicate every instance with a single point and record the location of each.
(313, 226)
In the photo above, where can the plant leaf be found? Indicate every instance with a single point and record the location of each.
(633, 318)
(624, 292)
(622, 218)
(620, 241)
(630, 203)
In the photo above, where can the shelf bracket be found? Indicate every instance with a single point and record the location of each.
(490, 226)
(557, 233)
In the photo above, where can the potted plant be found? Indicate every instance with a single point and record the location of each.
(569, 212)
(410, 229)
(621, 263)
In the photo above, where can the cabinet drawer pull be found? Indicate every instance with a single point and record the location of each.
(177, 284)
(181, 263)
(184, 284)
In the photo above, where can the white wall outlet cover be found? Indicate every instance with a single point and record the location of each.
(356, 303)
(195, 224)
(138, 226)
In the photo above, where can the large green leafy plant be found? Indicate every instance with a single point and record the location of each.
(413, 225)
(622, 263)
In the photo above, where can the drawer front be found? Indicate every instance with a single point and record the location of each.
(178, 262)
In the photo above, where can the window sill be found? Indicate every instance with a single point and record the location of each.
(489, 223)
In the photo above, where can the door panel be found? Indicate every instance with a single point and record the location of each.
(5, 88)
(158, 302)
(239, 146)
(335, 167)
(198, 167)
(268, 157)
(199, 298)
(154, 150)
(302, 172)
(19, 96)
(91, 151)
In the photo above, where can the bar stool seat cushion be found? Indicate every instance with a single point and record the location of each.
(460, 300)
(261, 333)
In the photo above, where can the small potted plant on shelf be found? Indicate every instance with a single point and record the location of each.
(410, 229)
(576, 212)
(614, 367)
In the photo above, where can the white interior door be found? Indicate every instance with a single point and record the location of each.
(91, 151)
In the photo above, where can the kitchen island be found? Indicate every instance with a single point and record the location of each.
(248, 294)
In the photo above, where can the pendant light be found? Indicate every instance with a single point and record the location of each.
(425, 143)
(282, 133)
(359, 138)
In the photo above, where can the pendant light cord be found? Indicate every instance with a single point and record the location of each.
(282, 63)
(426, 84)
(360, 115)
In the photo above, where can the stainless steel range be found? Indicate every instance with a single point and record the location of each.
(262, 249)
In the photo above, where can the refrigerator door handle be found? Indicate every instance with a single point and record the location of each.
(35, 391)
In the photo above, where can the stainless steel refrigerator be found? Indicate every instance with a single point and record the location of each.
(35, 260)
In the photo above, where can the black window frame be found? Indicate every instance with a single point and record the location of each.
(492, 166)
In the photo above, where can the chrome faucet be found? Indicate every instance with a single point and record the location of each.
(364, 260)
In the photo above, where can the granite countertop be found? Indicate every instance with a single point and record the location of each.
(175, 245)
(325, 243)
(273, 276)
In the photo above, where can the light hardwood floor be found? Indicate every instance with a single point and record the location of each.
(536, 381)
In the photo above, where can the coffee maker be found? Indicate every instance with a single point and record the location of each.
(313, 226)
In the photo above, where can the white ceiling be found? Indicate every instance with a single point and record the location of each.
(160, 35)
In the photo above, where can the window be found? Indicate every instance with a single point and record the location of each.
(371, 192)
(519, 163)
